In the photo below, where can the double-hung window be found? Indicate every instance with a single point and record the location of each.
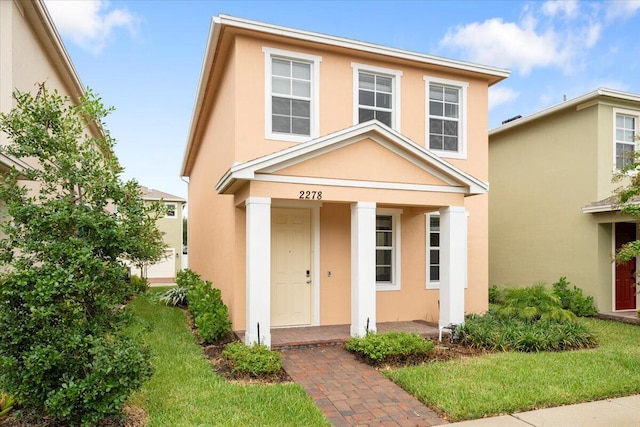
(291, 101)
(377, 95)
(433, 251)
(170, 210)
(388, 249)
(626, 125)
(446, 117)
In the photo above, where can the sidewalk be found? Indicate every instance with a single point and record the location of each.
(620, 412)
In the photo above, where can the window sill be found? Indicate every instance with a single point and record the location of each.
(288, 138)
(449, 154)
(384, 287)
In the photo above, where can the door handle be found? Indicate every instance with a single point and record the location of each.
(309, 282)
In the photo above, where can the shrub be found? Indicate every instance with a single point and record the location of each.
(494, 294)
(499, 333)
(139, 285)
(255, 360)
(573, 299)
(210, 314)
(176, 297)
(380, 348)
(6, 403)
(532, 304)
(187, 279)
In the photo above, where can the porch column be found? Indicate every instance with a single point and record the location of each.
(258, 274)
(453, 264)
(363, 267)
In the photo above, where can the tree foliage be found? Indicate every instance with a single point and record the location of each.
(69, 224)
(628, 200)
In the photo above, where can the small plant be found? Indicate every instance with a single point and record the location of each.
(532, 304)
(176, 297)
(391, 346)
(573, 299)
(494, 294)
(187, 279)
(139, 285)
(256, 360)
(210, 314)
(6, 403)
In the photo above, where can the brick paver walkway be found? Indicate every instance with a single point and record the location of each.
(351, 393)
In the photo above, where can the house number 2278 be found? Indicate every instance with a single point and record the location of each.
(310, 195)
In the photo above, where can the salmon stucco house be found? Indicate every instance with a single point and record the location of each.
(552, 210)
(333, 181)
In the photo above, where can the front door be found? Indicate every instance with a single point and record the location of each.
(625, 272)
(290, 267)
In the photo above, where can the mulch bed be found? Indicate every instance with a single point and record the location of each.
(441, 353)
(133, 417)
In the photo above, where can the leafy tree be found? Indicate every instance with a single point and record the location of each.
(70, 223)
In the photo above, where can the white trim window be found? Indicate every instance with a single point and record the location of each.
(388, 249)
(291, 95)
(376, 95)
(433, 250)
(625, 134)
(171, 210)
(446, 117)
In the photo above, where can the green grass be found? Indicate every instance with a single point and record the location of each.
(509, 382)
(185, 391)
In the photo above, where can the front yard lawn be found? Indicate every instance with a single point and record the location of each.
(185, 391)
(510, 382)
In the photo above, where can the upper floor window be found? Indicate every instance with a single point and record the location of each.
(446, 117)
(625, 138)
(388, 249)
(291, 99)
(377, 95)
(171, 210)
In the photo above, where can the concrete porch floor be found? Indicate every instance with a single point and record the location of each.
(316, 336)
(626, 316)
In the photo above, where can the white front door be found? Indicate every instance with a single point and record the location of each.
(290, 267)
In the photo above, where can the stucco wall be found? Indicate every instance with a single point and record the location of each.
(541, 175)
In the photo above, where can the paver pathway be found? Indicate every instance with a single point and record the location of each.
(351, 393)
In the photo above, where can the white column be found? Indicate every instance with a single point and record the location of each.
(258, 276)
(453, 264)
(363, 267)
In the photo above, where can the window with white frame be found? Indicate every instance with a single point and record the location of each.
(171, 210)
(446, 117)
(388, 249)
(433, 251)
(377, 94)
(291, 99)
(625, 138)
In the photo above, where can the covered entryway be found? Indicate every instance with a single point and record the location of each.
(290, 267)
(625, 273)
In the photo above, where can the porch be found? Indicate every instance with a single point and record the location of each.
(318, 336)
(626, 316)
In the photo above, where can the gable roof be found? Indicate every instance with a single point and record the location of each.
(262, 167)
(152, 194)
(220, 24)
(572, 103)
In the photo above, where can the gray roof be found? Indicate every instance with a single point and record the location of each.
(152, 194)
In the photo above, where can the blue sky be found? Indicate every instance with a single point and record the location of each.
(144, 57)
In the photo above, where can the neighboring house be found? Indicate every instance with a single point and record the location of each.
(170, 225)
(551, 210)
(31, 53)
(304, 210)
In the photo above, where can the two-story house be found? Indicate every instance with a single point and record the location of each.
(552, 213)
(31, 53)
(333, 181)
(170, 225)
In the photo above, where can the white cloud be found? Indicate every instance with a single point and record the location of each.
(89, 23)
(501, 95)
(506, 44)
(621, 9)
(554, 7)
